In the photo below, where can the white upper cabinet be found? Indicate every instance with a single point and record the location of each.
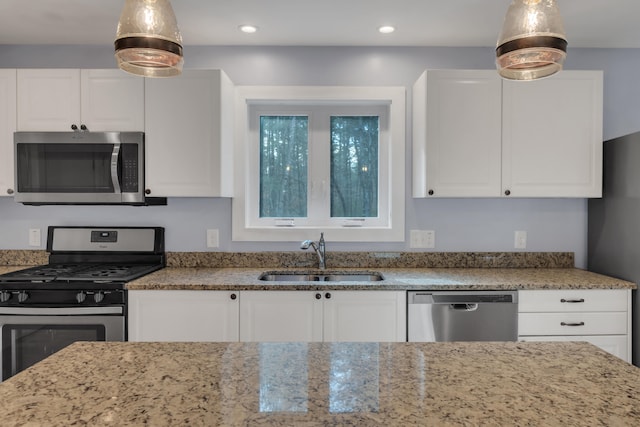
(7, 127)
(552, 136)
(476, 135)
(456, 133)
(189, 135)
(100, 100)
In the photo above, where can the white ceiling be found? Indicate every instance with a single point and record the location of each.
(588, 23)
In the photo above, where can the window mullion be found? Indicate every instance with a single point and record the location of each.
(319, 157)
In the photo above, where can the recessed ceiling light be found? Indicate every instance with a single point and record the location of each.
(248, 28)
(386, 29)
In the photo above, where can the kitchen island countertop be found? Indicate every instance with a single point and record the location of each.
(394, 279)
(362, 384)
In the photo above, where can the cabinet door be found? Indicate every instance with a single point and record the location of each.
(457, 134)
(112, 100)
(552, 136)
(183, 315)
(189, 139)
(281, 316)
(7, 127)
(48, 99)
(365, 316)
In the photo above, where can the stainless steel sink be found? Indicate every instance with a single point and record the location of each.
(341, 276)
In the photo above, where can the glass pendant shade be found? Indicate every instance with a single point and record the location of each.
(532, 43)
(148, 41)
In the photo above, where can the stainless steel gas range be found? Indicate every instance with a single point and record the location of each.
(79, 295)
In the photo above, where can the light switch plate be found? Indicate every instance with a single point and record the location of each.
(422, 239)
(34, 237)
(520, 240)
(213, 238)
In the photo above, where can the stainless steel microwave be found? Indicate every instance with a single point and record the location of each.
(79, 168)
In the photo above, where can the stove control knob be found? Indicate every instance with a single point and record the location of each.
(5, 296)
(80, 297)
(22, 296)
(98, 297)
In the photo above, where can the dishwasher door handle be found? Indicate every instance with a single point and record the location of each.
(464, 307)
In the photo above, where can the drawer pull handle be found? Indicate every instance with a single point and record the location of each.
(572, 301)
(571, 323)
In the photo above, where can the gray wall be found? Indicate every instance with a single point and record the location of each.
(460, 224)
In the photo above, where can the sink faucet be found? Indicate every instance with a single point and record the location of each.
(318, 247)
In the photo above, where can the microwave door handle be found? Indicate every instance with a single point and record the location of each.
(115, 154)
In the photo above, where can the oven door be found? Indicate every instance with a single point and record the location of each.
(29, 335)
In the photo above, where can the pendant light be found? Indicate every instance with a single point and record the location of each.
(532, 43)
(148, 41)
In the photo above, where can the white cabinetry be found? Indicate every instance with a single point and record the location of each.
(457, 116)
(323, 316)
(552, 136)
(159, 315)
(100, 100)
(602, 317)
(281, 316)
(365, 316)
(475, 135)
(7, 127)
(189, 135)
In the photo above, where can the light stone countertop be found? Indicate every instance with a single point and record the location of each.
(325, 384)
(394, 279)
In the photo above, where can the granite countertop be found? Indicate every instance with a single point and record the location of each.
(363, 384)
(394, 279)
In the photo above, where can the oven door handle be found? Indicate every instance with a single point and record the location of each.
(60, 311)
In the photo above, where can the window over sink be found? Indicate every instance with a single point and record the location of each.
(314, 159)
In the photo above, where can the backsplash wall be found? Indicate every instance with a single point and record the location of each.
(461, 225)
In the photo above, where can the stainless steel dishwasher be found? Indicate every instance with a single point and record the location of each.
(462, 316)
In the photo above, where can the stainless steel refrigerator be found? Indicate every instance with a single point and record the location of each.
(614, 221)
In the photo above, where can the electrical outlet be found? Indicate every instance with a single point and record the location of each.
(34, 237)
(213, 238)
(520, 240)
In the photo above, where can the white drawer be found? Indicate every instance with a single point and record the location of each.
(602, 323)
(572, 300)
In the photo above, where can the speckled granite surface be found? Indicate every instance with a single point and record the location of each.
(300, 259)
(325, 384)
(394, 279)
(23, 257)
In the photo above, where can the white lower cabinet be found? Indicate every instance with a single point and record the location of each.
(267, 316)
(365, 316)
(601, 317)
(183, 315)
(323, 316)
(281, 316)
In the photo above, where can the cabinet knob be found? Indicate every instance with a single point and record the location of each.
(431, 192)
(233, 296)
(327, 295)
(147, 191)
(507, 192)
(74, 127)
(318, 296)
(9, 190)
(83, 127)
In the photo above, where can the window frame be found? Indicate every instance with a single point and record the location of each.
(250, 99)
